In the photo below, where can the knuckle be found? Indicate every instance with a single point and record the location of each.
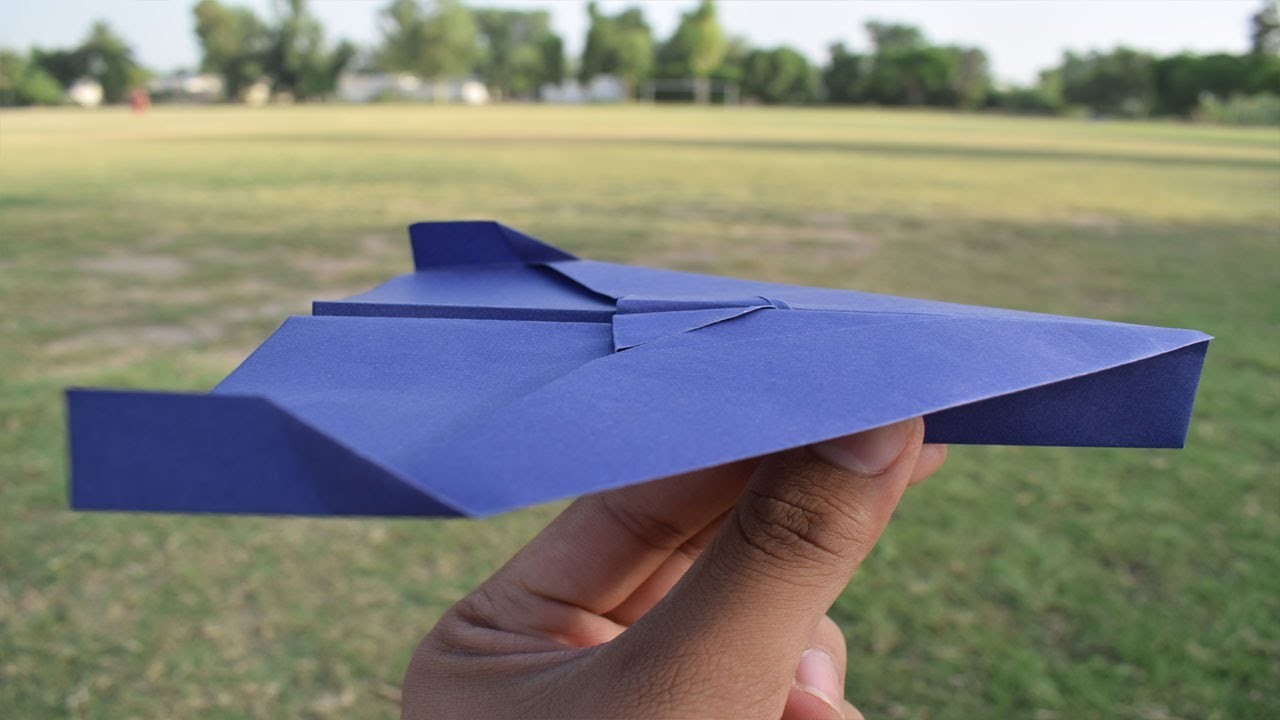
(480, 609)
(782, 530)
(648, 529)
(801, 521)
(474, 621)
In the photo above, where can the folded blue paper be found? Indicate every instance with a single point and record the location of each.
(504, 372)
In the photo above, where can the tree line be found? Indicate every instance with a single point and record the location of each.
(516, 52)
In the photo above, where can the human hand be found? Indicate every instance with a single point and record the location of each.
(697, 596)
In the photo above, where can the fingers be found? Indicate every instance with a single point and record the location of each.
(817, 690)
(803, 705)
(805, 522)
(601, 550)
(657, 585)
(931, 458)
(609, 558)
(851, 712)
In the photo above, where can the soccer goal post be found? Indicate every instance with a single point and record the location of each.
(703, 91)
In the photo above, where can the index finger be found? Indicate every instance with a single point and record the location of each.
(605, 546)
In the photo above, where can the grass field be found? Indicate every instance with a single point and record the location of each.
(1019, 582)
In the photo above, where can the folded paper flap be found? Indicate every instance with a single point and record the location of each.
(653, 304)
(642, 318)
(215, 453)
(637, 328)
(1140, 404)
(394, 388)
(503, 291)
(477, 242)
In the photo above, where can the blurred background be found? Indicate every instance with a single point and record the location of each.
(176, 178)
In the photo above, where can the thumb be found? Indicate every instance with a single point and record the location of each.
(805, 521)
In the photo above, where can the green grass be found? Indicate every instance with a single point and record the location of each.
(1028, 582)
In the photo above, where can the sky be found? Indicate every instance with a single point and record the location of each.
(1021, 37)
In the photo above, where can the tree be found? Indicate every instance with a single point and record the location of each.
(325, 79)
(912, 76)
(450, 35)
(695, 49)
(108, 59)
(1264, 29)
(39, 88)
(64, 66)
(733, 65)
(844, 75)
(620, 45)
(241, 48)
(403, 36)
(886, 37)
(1121, 82)
(1182, 82)
(102, 56)
(296, 57)
(780, 75)
(26, 83)
(438, 43)
(1263, 74)
(551, 48)
(518, 51)
(971, 79)
(1044, 98)
(13, 68)
(1049, 85)
(233, 43)
(908, 70)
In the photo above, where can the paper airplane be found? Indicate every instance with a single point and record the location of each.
(504, 372)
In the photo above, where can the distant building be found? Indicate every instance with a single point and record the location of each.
(187, 87)
(600, 89)
(85, 92)
(372, 87)
(257, 94)
(470, 92)
(369, 87)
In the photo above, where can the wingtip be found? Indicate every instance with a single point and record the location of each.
(179, 452)
(477, 242)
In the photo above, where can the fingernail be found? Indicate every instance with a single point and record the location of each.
(816, 674)
(867, 452)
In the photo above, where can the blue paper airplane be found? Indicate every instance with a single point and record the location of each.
(504, 372)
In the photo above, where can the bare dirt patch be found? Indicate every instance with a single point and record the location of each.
(144, 336)
(164, 267)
